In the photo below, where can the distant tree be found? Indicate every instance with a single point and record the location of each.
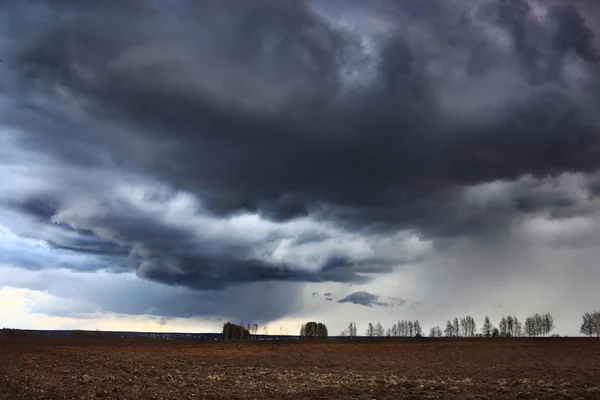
(510, 327)
(487, 327)
(587, 326)
(314, 330)
(379, 331)
(495, 332)
(266, 330)
(234, 332)
(539, 325)
(435, 332)
(449, 331)
(518, 327)
(344, 333)
(468, 326)
(352, 330)
(253, 329)
(503, 327)
(529, 327)
(417, 329)
(403, 330)
(548, 324)
(595, 318)
(370, 330)
(456, 327)
(395, 330)
(411, 329)
(388, 332)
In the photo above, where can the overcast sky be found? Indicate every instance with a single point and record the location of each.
(173, 165)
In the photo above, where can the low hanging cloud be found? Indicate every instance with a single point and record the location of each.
(211, 145)
(368, 300)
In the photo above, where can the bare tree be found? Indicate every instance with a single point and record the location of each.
(595, 321)
(510, 327)
(370, 330)
(487, 327)
(503, 327)
(352, 330)
(471, 326)
(456, 328)
(395, 330)
(539, 325)
(379, 331)
(518, 327)
(548, 324)
(410, 329)
(266, 330)
(449, 331)
(463, 326)
(417, 328)
(435, 332)
(587, 326)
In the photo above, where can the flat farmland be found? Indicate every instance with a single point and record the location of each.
(360, 369)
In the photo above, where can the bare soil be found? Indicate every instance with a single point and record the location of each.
(390, 369)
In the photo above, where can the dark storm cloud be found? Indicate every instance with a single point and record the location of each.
(275, 108)
(364, 299)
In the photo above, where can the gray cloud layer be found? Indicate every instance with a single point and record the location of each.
(208, 144)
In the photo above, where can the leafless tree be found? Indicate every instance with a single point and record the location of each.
(518, 327)
(417, 329)
(595, 322)
(463, 326)
(503, 327)
(548, 324)
(395, 330)
(587, 326)
(379, 331)
(449, 331)
(456, 328)
(487, 327)
(352, 330)
(435, 332)
(539, 325)
(370, 330)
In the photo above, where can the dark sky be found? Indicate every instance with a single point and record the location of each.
(232, 150)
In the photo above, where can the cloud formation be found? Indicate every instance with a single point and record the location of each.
(367, 299)
(211, 145)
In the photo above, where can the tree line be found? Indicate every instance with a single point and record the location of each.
(537, 325)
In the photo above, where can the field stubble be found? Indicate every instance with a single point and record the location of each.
(390, 369)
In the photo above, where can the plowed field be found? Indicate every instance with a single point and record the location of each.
(428, 369)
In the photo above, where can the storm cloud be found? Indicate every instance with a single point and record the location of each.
(364, 299)
(213, 145)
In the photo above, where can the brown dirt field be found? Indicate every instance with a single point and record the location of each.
(437, 369)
